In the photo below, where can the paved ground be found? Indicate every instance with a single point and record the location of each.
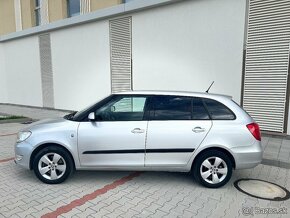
(276, 151)
(127, 194)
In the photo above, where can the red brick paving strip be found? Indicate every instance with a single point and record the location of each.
(6, 160)
(78, 202)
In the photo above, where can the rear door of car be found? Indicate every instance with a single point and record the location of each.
(177, 126)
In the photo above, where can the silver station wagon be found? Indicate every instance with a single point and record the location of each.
(206, 134)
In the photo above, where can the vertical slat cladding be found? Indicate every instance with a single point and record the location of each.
(46, 70)
(267, 60)
(121, 50)
(85, 6)
(44, 12)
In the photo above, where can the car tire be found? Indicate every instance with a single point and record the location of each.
(212, 169)
(53, 165)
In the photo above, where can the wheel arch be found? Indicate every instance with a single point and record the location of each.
(225, 151)
(40, 147)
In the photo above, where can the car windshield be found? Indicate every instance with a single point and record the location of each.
(73, 115)
(83, 110)
(79, 114)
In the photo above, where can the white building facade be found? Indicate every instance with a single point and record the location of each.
(155, 45)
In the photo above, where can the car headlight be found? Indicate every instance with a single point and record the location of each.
(22, 136)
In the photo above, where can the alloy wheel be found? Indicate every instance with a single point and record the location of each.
(52, 166)
(213, 170)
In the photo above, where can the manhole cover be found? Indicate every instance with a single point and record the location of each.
(262, 189)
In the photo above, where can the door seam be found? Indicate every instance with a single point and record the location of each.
(146, 142)
(194, 152)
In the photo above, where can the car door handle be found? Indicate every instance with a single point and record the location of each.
(138, 130)
(198, 129)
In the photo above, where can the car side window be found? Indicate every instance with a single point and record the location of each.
(122, 109)
(218, 111)
(199, 111)
(171, 108)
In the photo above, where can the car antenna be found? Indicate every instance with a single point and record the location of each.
(209, 87)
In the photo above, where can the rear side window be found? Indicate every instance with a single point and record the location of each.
(218, 111)
(171, 108)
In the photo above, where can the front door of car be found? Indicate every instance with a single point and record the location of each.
(117, 137)
(177, 126)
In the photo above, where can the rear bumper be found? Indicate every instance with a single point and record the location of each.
(248, 156)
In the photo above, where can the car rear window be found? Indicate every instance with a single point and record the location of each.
(218, 111)
(171, 108)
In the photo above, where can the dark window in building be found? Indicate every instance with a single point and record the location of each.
(73, 8)
(171, 108)
(199, 111)
(37, 13)
(218, 111)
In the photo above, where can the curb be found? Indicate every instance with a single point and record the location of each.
(276, 163)
(20, 120)
(36, 107)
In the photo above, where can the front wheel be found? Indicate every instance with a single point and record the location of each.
(212, 169)
(52, 165)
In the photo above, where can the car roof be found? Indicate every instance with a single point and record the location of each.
(179, 93)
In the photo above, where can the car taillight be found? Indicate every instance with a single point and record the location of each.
(255, 130)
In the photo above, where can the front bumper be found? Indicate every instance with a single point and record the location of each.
(23, 149)
(248, 156)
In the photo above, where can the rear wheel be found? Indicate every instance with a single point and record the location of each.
(212, 169)
(52, 165)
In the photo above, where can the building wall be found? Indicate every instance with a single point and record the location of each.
(57, 10)
(183, 46)
(7, 17)
(80, 61)
(27, 13)
(3, 89)
(188, 45)
(22, 71)
(99, 4)
(81, 65)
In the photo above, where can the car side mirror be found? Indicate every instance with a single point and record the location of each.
(92, 116)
